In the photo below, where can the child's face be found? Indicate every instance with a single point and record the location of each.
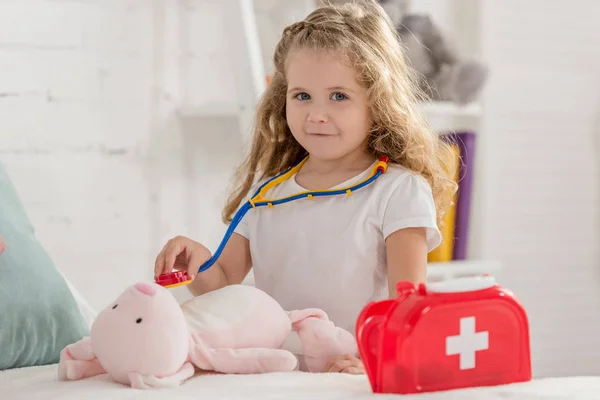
(326, 108)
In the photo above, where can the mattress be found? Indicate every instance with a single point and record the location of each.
(41, 383)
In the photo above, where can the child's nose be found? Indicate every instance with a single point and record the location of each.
(317, 115)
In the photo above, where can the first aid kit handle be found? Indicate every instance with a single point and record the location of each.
(461, 285)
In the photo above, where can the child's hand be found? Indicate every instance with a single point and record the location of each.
(346, 364)
(183, 254)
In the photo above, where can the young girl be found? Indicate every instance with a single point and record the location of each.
(342, 93)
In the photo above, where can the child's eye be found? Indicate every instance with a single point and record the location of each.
(338, 96)
(302, 96)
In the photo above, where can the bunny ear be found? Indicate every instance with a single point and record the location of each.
(300, 315)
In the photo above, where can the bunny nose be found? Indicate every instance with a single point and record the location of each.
(145, 288)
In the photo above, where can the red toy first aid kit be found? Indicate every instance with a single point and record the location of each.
(465, 332)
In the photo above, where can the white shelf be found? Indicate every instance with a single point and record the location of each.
(460, 268)
(432, 110)
(446, 116)
(210, 111)
(449, 109)
(442, 271)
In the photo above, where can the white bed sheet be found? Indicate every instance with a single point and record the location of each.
(41, 383)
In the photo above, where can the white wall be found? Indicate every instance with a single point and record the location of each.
(542, 128)
(107, 172)
(89, 132)
(272, 17)
(74, 120)
(538, 164)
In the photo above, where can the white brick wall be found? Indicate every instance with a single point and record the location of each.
(75, 88)
(207, 70)
(89, 134)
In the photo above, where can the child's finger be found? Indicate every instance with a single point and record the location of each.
(193, 265)
(340, 363)
(338, 366)
(333, 365)
(353, 371)
(159, 264)
(197, 258)
(171, 253)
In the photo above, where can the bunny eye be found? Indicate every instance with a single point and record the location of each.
(139, 320)
(115, 306)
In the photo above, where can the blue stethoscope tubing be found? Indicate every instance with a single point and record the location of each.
(379, 169)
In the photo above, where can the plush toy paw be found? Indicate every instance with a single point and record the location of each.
(139, 381)
(321, 339)
(242, 361)
(73, 370)
(77, 361)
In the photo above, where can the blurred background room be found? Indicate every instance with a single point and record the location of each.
(121, 122)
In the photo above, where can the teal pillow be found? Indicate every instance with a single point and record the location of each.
(38, 313)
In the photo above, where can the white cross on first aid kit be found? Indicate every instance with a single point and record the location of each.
(467, 343)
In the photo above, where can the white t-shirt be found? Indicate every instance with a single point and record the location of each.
(329, 252)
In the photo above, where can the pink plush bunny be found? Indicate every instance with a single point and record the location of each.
(145, 339)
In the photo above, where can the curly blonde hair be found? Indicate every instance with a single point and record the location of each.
(364, 35)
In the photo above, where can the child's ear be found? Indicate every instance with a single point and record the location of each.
(2, 245)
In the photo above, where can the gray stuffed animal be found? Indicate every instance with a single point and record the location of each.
(446, 76)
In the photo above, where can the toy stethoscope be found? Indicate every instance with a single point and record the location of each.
(178, 278)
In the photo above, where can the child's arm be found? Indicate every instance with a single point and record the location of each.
(406, 257)
(231, 268)
(406, 261)
(184, 254)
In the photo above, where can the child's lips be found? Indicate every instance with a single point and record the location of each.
(320, 133)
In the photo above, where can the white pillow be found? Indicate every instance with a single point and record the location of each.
(88, 312)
